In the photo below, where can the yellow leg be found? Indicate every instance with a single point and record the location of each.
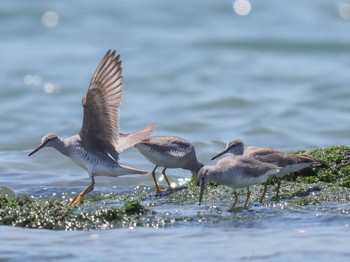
(158, 190)
(264, 193)
(166, 179)
(247, 200)
(79, 198)
(233, 207)
(277, 196)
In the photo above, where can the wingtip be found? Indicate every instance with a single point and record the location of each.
(147, 131)
(112, 53)
(129, 140)
(153, 126)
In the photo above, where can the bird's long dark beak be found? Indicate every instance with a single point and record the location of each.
(202, 185)
(220, 154)
(37, 149)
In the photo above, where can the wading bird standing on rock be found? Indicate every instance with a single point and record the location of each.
(97, 146)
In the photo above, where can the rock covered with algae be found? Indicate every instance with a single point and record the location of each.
(335, 168)
(25, 211)
(311, 186)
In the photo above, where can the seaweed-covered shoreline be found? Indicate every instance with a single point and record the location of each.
(311, 186)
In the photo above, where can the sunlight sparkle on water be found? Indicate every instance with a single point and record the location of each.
(32, 79)
(50, 88)
(344, 10)
(242, 7)
(183, 181)
(49, 19)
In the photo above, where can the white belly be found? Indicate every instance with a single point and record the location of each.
(163, 159)
(292, 168)
(236, 180)
(93, 167)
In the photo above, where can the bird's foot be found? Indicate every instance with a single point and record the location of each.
(232, 209)
(261, 199)
(276, 197)
(159, 190)
(77, 200)
(237, 209)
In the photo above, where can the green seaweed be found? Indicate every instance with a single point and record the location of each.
(328, 183)
(25, 211)
(335, 168)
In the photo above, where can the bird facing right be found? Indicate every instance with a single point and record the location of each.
(169, 152)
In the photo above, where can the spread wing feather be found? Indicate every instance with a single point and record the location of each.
(101, 105)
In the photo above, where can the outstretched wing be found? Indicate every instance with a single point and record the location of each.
(101, 105)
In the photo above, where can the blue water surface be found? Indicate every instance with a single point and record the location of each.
(277, 77)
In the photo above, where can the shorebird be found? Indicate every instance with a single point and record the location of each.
(289, 163)
(236, 172)
(169, 152)
(97, 146)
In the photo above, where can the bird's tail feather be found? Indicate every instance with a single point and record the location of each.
(125, 170)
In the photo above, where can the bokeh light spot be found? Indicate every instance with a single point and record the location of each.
(344, 10)
(242, 7)
(32, 80)
(49, 88)
(50, 19)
